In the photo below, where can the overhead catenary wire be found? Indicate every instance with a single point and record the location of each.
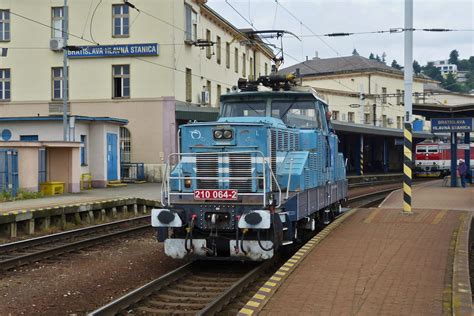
(50, 27)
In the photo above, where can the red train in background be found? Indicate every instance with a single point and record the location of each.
(433, 159)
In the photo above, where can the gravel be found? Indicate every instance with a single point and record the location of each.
(80, 282)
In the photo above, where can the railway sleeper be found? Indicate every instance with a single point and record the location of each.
(166, 297)
(213, 278)
(180, 305)
(156, 311)
(214, 288)
(208, 283)
(175, 291)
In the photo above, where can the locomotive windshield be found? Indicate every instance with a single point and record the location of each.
(301, 113)
(244, 108)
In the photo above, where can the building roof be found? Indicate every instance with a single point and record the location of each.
(439, 110)
(374, 130)
(60, 118)
(338, 65)
(429, 86)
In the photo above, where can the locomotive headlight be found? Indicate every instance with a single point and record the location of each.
(227, 134)
(187, 183)
(218, 134)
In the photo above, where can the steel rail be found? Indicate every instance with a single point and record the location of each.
(30, 250)
(216, 304)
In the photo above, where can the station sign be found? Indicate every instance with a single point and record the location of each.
(448, 146)
(451, 125)
(127, 50)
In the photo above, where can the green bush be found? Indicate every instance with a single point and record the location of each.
(20, 195)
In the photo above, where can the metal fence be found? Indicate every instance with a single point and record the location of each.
(9, 171)
(130, 171)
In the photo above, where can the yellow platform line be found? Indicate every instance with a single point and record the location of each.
(263, 295)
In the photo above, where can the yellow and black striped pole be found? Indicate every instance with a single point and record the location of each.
(407, 167)
(407, 98)
(361, 155)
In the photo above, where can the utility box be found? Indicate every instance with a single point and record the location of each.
(52, 188)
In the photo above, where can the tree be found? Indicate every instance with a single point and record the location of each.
(377, 58)
(463, 65)
(416, 67)
(384, 56)
(371, 56)
(431, 71)
(454, 57)
(396, 65)
(355, 52)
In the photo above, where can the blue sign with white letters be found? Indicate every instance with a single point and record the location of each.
(451, 125)
(127, 50)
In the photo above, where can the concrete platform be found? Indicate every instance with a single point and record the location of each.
(376, 262)
(151, 191)
(433, 195)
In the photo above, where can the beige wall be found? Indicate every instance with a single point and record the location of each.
(62, 165)
(28, 168)
(448, 99)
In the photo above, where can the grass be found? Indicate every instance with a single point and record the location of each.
(6, 196)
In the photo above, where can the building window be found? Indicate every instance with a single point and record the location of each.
(219, 89)
(208, 88)
(227, 55)
(191, 23)
(384, 120)
(399, 97)
(227, 90)
(84, 150)
(29, 138)
(125, 145)
(4, 84)
(236, 60)
(399, 122)
(57, 83)
(335, 114)
(208, 48)
(218, 48)
(57, 22)
(350, 117)
(4, 25)
(252, 73)
(189, 85)
(367, 118)
(121, 20)
(121, 81)
(384, 95)
(244, 65)
(266, 69)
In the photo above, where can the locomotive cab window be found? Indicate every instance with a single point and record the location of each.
(239, 109)
(432, 149)
(303, 114)
(421, 149)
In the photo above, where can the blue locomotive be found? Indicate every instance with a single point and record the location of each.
(267, 171)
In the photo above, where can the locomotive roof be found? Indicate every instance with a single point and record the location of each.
(272, 94)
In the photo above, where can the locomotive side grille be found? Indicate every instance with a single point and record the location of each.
(275, 141)
(207, 166)
(240, 165)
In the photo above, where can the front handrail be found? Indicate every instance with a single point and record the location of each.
(165, 185)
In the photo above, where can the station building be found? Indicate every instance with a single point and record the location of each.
(341, 81)
(142, 63)
(32, 152)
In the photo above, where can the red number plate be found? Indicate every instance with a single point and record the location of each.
(215, 195)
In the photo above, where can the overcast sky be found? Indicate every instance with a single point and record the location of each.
(329, 16)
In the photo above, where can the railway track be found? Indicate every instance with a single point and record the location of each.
(24, 252)
(207, 287)
(199, 287)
